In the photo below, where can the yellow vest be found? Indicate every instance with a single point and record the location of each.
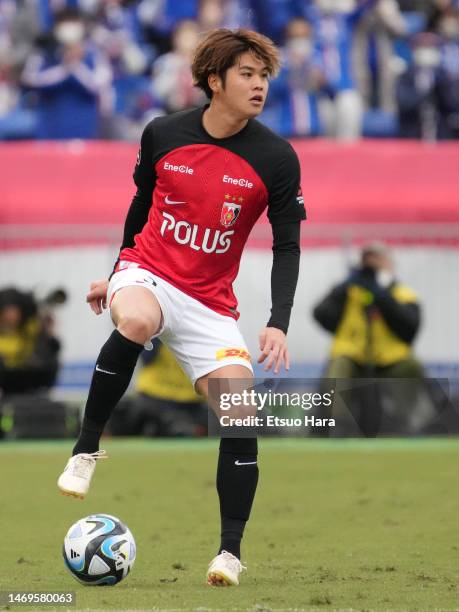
(16, 347)
(164, 378)
(370, 341)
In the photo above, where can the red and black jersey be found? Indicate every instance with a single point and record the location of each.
(205, 195)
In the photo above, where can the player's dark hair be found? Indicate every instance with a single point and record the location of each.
(220, 49)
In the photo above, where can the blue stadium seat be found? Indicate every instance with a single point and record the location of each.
(19, 124)
(414, 21)
(379, 124)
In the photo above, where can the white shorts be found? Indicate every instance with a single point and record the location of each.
(202, 340)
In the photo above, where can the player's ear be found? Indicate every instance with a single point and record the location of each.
(215, 83)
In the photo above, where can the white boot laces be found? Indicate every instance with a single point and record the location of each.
(233, 562)
(84, 463)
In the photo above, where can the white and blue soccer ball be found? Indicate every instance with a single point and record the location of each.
(99, 550)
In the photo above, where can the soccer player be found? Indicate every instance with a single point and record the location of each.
(203, 178)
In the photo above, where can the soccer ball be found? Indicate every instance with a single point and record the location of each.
(99, 550)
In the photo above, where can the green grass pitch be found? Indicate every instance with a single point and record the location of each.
(336, 525)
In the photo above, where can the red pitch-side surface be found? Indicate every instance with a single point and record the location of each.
(90, 183)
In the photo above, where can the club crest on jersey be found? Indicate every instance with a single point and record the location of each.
(230, 212)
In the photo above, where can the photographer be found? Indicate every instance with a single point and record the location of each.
(374, 319)
(29, 349)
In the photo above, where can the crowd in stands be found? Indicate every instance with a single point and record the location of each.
(103, 68)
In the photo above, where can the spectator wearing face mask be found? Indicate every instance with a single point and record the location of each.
(159, 18)
(424, 97)
(72, 81)
(293, 95)
(373, 55)
(448, 30)
(334, 23)
(117, 32)
(172, 83)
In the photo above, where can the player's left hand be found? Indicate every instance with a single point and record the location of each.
(273, 347)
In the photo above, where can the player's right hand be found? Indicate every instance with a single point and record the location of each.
(97, 297)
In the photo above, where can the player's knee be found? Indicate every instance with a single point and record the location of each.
(137, 327)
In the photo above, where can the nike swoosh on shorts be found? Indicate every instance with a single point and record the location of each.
(237, 462)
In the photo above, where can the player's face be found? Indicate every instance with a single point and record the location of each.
(246, 86)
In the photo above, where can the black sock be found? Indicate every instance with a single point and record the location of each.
(88, 440)
(111, 377)
(237, 478)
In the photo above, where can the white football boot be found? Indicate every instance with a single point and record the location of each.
(76, 478)
(224, 570)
